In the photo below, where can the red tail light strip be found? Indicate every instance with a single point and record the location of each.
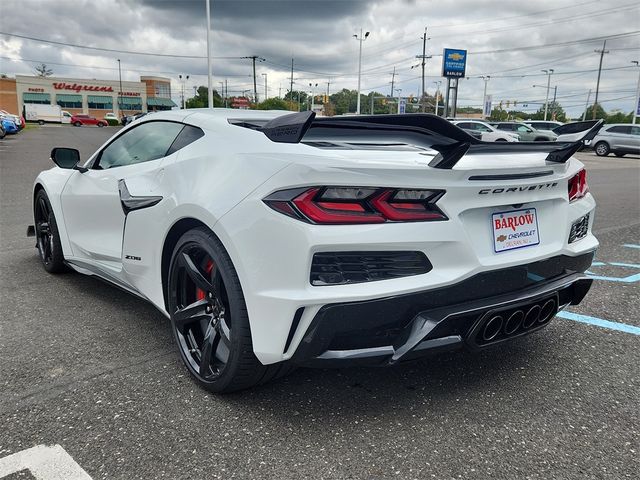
(357, 205)
(578, 186)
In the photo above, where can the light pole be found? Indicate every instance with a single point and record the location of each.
(209, 79)
(360, 39)
(637, 103)
(484, 95)
(546, 101)
(221, 89)
(265, 85)
(312, 86)
(438, 83)
(120, 94)
(182, 82)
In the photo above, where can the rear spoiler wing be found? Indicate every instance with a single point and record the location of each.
(434, 132)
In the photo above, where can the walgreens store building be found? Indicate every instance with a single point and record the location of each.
(95, 97)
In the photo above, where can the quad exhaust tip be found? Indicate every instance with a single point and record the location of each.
(492, 328)
(532, 316)
(548, 311)
(513, 322)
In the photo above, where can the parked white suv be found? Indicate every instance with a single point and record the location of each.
(488, 133)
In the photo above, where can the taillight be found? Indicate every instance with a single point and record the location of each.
(357, 205)
(578, 186)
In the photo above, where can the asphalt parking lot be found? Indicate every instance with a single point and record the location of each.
(94, 370)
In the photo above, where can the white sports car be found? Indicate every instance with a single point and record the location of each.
(273, 239)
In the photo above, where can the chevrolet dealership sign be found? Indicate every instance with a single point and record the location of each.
(454, 63)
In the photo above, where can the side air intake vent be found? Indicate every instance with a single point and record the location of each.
(339, 268)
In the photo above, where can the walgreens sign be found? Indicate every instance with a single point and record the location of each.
(78, 88)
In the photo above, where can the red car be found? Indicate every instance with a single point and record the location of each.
(80, 120)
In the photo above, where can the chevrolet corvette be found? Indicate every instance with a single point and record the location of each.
(274, 239)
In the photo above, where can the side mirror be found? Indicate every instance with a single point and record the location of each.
(65, 157)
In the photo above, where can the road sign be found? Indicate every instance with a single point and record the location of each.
(402, 105)
(486, 109)
(454, 63)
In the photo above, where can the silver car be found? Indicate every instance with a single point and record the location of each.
(617, 138)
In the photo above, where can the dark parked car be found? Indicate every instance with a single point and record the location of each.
(81, 120)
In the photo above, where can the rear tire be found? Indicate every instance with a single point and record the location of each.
(209, 316)
(100, 124)
(47, 236)
(501, 140)
(602, 149)
(77, 124)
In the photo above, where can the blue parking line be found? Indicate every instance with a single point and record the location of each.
(598, 322)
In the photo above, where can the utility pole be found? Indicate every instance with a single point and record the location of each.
(120, 94)
(255, 85)
(226, 93)
(424, 58)
(553, 110)
(546, 101)
(637, 103)
(601, 52)
(328, 85)
(360, 39)
(484, 96)
(265, 86)
(586, 105)
(221, 89)
(291, 89)
(393, 79)
(209, 75)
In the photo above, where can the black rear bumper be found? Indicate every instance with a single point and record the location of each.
(482, 311)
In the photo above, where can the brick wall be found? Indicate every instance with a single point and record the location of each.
(8, 96)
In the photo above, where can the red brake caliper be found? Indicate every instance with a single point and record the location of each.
(200, 295)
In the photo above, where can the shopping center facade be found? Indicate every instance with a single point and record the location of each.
(88, 96)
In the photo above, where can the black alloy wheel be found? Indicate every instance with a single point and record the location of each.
(47, 237)
(209, 316)
(201, 312)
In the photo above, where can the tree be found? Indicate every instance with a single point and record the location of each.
(275, 104)
(297, 97)
(201, 100)
(600, 113)
(43, 71)
(554, 112)
(620, 117)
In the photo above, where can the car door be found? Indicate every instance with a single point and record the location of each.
(526, 133)
(91, 200)
(635, 139)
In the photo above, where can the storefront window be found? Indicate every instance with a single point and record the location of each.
(98, 102)
(69, 104)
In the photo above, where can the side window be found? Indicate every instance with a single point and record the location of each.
(482, 128)
(620, 129)
(189, 134)
(523, 128)
(466, 125)
(635, 130)
(146, 142)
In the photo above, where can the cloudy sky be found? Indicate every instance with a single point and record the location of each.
(509, 41)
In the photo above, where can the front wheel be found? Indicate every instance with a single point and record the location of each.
(501, 140)
(47, 236)
(602, 149)
(209, 317)
(100, 124)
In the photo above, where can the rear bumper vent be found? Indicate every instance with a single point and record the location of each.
(579, 229)
(340, 268)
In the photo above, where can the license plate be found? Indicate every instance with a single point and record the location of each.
(515, 229)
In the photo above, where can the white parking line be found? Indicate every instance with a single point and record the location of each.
(44, 463)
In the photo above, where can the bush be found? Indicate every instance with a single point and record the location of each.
(112, 122)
